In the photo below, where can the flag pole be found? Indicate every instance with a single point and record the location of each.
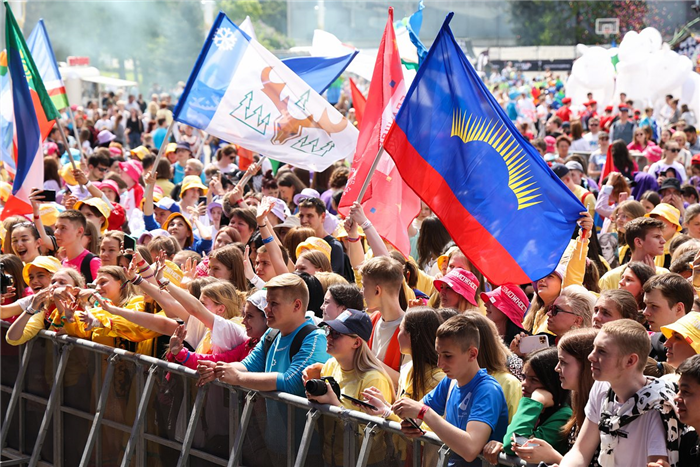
(365, 185)
(161, 151)
(65, 141)
(77, 135)
(241, 183)
(70, 156)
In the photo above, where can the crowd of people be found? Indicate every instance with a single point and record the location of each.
(253, 279)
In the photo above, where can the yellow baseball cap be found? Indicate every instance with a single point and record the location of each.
(100, 205)
(171, 147)
(314, 243)
(193, 181)
(668, 212)
(689, 327)
(49, 263)
(140, 152)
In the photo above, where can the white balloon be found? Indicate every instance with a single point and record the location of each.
(667, 71)
(653, 36)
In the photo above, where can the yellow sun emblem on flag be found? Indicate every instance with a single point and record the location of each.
(496, 135)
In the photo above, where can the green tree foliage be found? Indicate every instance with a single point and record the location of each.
(162, 38)
(572, 22)
(269, 19)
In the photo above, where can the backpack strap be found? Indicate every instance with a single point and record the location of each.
(296, 342)
(269, 339)
(299, 339)
(85, 267)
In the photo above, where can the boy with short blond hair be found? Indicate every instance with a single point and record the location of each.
(471, 401)
(630, 416)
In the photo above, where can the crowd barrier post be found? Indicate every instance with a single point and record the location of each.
(192, 426)
(51, 405)
(370, 432)
(349, 429)
(137, 429)
(16, 390)
(311, 417)
(237, 451)
(99, 411)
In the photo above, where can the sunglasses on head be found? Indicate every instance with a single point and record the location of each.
(554, 310)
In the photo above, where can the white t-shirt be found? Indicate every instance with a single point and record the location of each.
(383, 332)
(592, 141)
(645, 436)
(227, 333)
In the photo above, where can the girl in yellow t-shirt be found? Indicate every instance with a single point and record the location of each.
(355, 368)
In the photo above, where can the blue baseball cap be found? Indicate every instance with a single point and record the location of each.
(168, 204)
(351, 322)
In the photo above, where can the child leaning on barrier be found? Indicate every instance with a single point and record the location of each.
(253, 322)
(354, 368)
(471, 401)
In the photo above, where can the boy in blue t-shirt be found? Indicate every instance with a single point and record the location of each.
(472, 402)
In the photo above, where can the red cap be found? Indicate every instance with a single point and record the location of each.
(623, 107)
(510, 300)
(695, 160)
(592, 102)
(117, 217)
(566, 100)
(609, 108)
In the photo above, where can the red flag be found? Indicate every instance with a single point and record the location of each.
(609, 165)
(388, 202)
(359, 102)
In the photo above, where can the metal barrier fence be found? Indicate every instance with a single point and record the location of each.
(74, 402)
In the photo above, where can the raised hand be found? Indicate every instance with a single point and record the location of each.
(80, 177)
(177, 340)
(149, 178)
(357, 213)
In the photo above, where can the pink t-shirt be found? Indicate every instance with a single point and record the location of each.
(95, 263)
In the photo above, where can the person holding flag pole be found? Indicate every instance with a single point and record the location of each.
(388, 202)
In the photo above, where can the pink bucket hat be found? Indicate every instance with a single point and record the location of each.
(132, 168)
(510, 300)
(461, 281)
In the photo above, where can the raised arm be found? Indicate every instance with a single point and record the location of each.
(355, 252)
(157, 323)
(268, 232)
(147, 285)
(193, 306)
(375, 241)
(150, 179)
(35, 198)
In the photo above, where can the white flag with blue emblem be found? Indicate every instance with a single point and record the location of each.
(243, 94)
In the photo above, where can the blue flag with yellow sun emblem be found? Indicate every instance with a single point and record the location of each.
(455, 147)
